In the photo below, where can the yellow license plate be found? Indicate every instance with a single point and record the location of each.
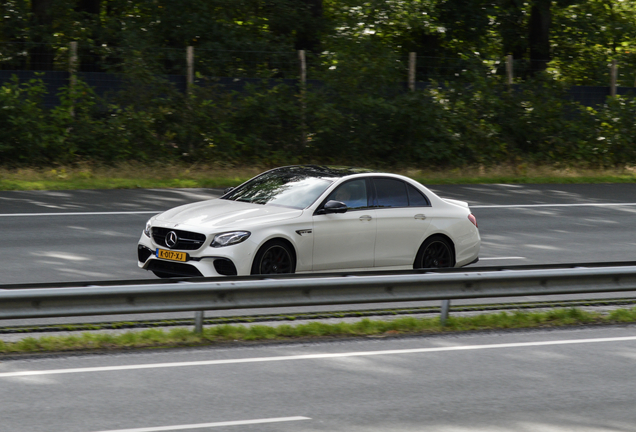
(171, 255)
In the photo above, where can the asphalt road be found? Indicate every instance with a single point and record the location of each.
(554, 381)
(543, 224)
(62, 236)
(92, 235)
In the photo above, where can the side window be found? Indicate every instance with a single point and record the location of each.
(391, 192)
(353, 193)
(416, 199)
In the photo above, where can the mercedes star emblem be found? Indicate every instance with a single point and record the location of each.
(171, 239)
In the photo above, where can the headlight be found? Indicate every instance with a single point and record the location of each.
(148, 227)
(229, 238)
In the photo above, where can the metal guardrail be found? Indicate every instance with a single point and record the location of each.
(220, 294)
(469, 269)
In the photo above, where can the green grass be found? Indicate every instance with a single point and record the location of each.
(133, 175)
(184, 337)
(125, 176)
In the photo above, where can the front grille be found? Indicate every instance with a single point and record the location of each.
(187, 240)
(225, 267)
(173, 268)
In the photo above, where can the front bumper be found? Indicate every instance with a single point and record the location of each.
(235, 260)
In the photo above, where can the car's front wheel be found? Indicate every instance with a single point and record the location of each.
(274, 257)
(435, 252)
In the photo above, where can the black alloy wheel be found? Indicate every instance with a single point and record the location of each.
(436, 252)
(275, 257)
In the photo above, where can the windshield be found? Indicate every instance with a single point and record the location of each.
(284, 189)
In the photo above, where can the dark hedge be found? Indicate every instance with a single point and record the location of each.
(342, 122)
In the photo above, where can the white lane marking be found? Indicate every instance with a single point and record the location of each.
(211, 425)
(553, 205)
(81, 213)
(501, 258)
(313, 356)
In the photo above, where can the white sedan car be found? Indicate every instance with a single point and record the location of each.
(308, 219)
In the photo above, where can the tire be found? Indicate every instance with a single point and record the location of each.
(274, 257)
(435, 252)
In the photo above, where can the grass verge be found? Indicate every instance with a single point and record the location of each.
(134, 176)
(182, 337)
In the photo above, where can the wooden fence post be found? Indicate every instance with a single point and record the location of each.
(613, 78)
(509, 70)
(72, 71)
(190, 72)
(303, 88)
(412, 65)
(189, 85)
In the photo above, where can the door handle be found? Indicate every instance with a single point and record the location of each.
(419, 216)
(365, 218)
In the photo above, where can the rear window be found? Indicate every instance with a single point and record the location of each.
(391, 193)
(416, 198)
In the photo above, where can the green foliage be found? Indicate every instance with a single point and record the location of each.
(27, 135)
(584, 35)
(356, 119)
(588, 35)
(359, 115)
(538, 124)
(616, 131)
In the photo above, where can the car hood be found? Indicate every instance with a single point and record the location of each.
(222, 213)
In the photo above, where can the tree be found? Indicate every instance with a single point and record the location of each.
(539, 35)
(41, 55)
(302, 21)
(588, 35)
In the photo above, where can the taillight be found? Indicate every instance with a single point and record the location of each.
(473, 219)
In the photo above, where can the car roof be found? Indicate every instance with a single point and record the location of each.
(323, 171)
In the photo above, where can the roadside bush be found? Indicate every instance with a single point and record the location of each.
(27, 134)
(478, 122)
(540, 125)
(268, 124)
(421, 128)
(615, 139)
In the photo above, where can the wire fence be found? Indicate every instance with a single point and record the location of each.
(106, 69)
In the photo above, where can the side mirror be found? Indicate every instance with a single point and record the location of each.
(335, 207)
(228, 190)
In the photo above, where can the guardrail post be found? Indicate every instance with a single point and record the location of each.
(445, 308)
(198, 322)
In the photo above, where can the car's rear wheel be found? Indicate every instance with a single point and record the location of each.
(274, 257)
(435, 252)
